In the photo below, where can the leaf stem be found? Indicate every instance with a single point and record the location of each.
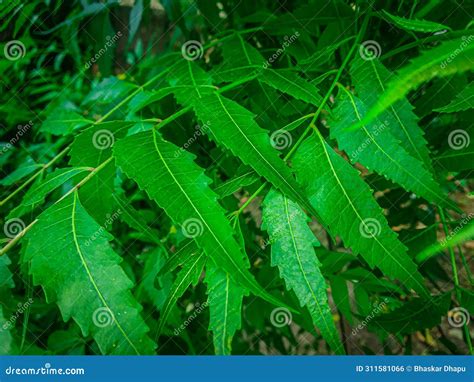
(100, 120)
(445, 36)
(13, 241)
(34, 176)
(249, 200)
(312, 124)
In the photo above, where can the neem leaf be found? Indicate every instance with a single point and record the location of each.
(374, 146)
(292, 244)
(225, 306)
(464, 101)
(179, 186)
(64, 122)
(291, 83)
(412, 316)
(38, 192)
(448, 58)
(347, 208)
(233, 126)
(370, 78)
(415, 25)
(189, 274)
(71, 258)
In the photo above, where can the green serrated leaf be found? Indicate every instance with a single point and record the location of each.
(464, 100)
(233, 126)
(293, 253)
(234, 184)
(188, 275)
(376, 148)
(370, 78)
(225, 306)
(450, 57)
(180, 187)
(347, 208)
(19, 174)
(64, 122)
(79, 271)
(290, 83)
(414, 315)
(415, 25)
(38, 192)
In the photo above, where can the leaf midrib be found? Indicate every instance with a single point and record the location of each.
(175, 291)
(358, 215)
(395, 113)
(89, 274)
(403, 169)
(297, 253)
(268, 164)
(219, 243)
(309, 94)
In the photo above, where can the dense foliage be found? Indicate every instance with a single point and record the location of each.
(236, 177)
